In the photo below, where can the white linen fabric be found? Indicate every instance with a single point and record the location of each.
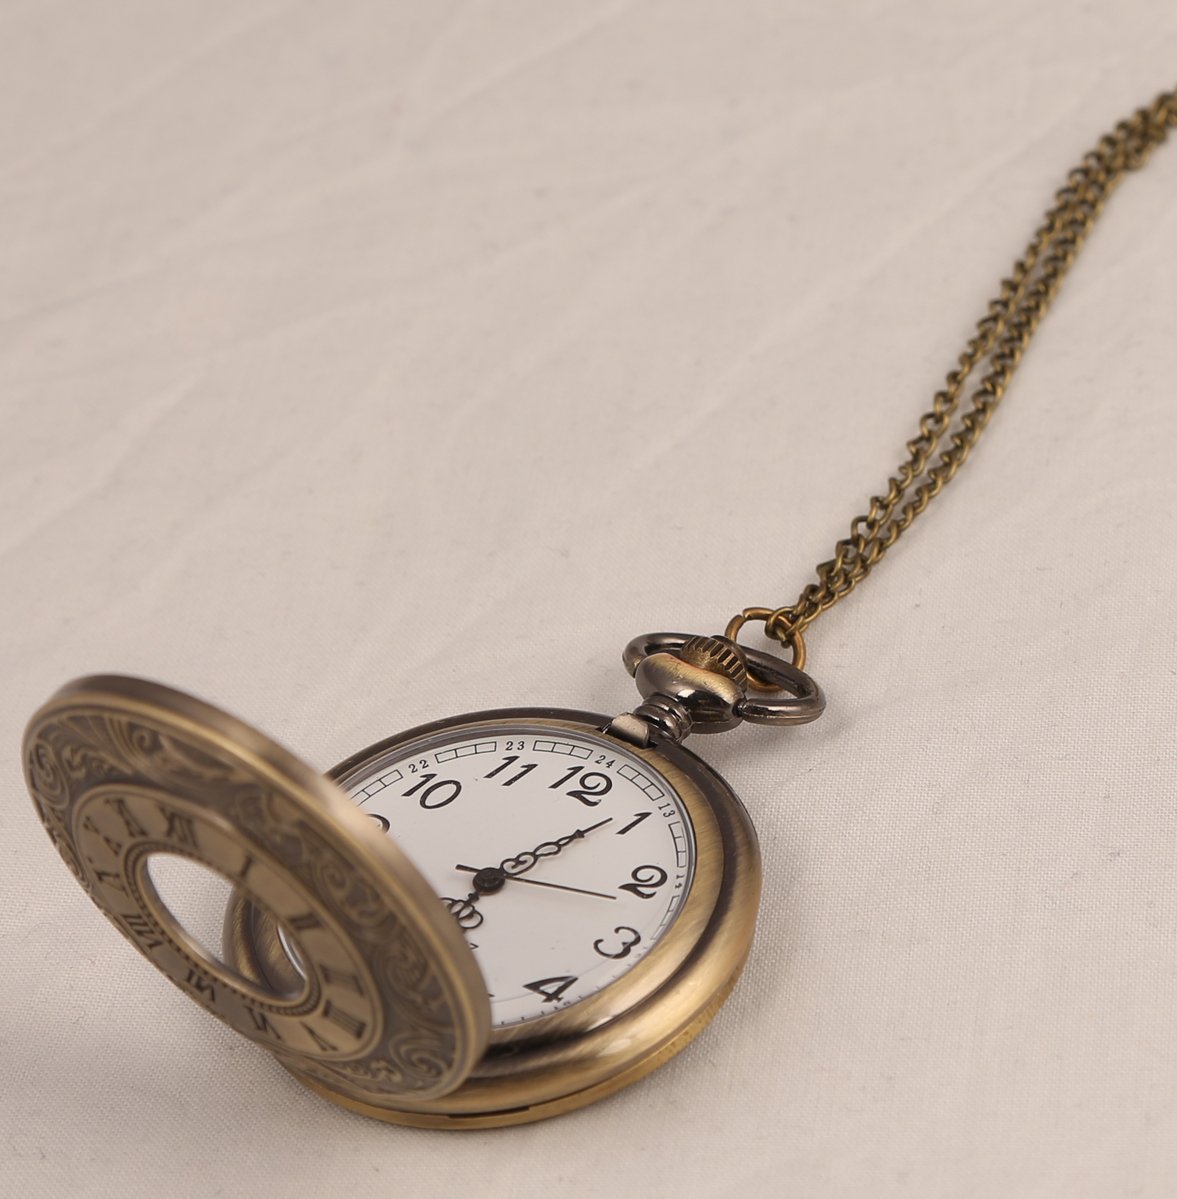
(367, 362)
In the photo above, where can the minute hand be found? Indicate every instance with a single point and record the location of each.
(521, 863)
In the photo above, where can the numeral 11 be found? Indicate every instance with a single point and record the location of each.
(509, 761)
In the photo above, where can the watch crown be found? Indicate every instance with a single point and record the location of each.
(717, 654)
(688, 682)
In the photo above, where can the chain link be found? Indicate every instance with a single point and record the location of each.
(1001, 337)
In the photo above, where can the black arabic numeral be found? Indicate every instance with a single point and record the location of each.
(523, 770)
(380, 820)
(638, 817)
(502, 765)
(551, 988)
(646, 881)
(454, 787)
(593, 786)
(629, 938)
(590, 788)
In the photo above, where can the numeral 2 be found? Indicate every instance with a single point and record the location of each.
(646, 880)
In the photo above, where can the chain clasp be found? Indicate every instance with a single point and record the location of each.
(780, 624)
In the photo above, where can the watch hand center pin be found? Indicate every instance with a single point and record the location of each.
(489, 879)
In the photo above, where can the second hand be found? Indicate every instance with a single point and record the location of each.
(535, 882)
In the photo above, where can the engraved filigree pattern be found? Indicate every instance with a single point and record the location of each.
(74, 749)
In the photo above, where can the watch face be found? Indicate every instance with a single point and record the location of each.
(563, 856)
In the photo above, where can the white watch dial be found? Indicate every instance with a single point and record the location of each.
(563, 856)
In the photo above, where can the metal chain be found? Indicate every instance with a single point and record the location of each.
(1001, 337)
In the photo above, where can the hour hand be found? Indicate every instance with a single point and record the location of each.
(463, 910)
(520, 863)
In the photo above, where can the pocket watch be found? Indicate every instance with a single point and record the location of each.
(487, 920)
(502, 916)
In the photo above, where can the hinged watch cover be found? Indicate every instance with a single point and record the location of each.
(387, 1002)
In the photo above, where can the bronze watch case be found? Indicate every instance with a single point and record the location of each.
(389, 1016)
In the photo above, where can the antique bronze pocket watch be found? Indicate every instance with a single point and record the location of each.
(506, 915)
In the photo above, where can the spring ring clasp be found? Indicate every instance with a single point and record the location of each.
(778, 626)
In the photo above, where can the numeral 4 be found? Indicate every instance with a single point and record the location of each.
(551, 988)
